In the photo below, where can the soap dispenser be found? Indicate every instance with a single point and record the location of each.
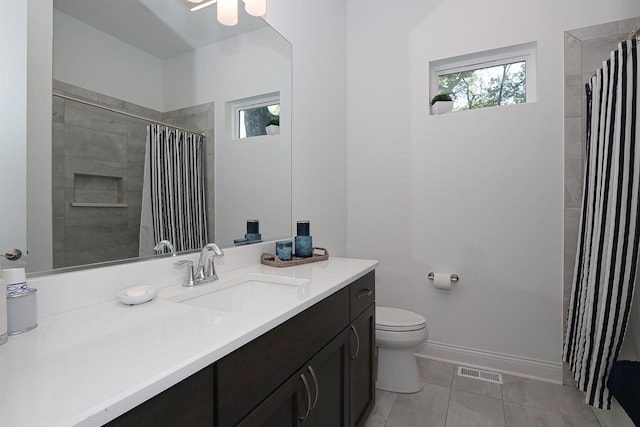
(303, 241)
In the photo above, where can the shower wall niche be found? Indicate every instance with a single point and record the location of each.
(98, 164)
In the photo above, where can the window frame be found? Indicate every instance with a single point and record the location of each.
(247, 104)
(491, 58)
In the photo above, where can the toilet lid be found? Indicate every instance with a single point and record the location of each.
(397, 319)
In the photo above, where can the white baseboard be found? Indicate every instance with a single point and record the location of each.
(508, 364)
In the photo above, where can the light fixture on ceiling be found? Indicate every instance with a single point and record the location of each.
(228, 9)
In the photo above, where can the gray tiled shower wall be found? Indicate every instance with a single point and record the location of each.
(98, 157)
(584, 51)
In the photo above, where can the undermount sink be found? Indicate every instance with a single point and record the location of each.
(254, 292)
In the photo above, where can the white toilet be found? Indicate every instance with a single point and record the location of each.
(398, 333)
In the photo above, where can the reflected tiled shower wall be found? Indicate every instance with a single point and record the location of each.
(584, 51)
(98, 162)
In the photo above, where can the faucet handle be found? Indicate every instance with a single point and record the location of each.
(210, 274)
(188, 278)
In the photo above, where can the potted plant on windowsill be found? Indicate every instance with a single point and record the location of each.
(441, 103)
(273, 127)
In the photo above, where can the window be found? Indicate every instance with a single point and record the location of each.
(255, 116)
(486, 79)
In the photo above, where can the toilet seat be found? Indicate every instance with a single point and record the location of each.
(398, 320)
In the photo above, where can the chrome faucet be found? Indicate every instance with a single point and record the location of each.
(206, 268)
(165, 244)
(205, 271)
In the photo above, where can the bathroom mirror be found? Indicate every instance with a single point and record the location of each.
(157, 59)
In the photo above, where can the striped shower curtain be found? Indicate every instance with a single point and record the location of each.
(606, 262)
(173, 195)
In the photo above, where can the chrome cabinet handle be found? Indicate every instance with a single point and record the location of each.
(353, 329)
(306, 386)
(315, 381)
(365, 293)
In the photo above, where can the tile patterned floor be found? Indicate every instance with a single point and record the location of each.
(448, 400)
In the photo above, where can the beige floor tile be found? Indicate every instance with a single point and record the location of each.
(375, 420)
(435, 371)
(526, 416)
(579, 422)
(383, 406)
(567, 375)
(474, 410)
(475, 403)
(527, 392)
(571, 402)
(427, 408)
(476, 386)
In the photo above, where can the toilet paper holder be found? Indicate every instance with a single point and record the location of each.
(454, 277)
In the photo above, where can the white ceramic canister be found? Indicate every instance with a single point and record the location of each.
(22, 312)
(4, 335)
(15, 280)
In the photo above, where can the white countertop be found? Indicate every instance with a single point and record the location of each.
(88, 366)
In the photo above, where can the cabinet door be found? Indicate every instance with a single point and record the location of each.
(363, 364)
(315, 396)
(329, 372)
(285, 407)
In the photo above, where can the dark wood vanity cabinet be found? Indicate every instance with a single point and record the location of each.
(316, 369)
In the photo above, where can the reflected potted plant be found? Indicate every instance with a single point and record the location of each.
(273, 127)
(441, 103)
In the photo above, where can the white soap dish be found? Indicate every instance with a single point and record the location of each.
(137, 295)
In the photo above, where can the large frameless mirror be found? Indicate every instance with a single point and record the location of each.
(119, 66)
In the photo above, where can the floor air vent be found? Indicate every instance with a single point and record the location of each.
(492, 377)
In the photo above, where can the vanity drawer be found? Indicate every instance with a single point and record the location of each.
(188, 403)
(363, 294)
(247, 376)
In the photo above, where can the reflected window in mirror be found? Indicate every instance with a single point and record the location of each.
(257, 116)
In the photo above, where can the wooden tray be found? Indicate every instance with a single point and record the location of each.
(274, 261)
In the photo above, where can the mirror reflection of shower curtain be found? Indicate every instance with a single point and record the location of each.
(609, 233)
(173, 194)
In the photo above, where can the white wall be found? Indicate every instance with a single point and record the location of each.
(317, 31)
(97, 61)
(478, 193)
(39, 156)
(252, 175)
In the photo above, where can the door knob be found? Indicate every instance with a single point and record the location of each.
(12, 254)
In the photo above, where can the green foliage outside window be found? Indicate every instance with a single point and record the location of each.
(485, 87)
(253, 121)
